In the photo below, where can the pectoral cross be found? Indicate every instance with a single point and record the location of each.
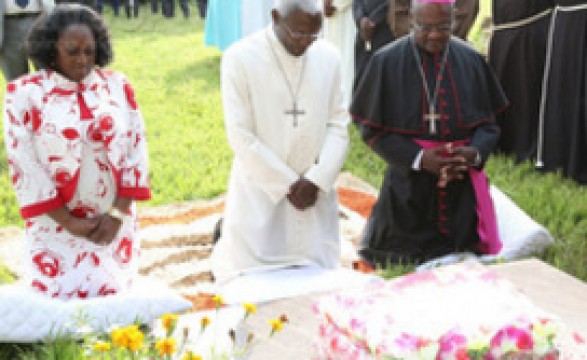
(295, 112)
(432, 117)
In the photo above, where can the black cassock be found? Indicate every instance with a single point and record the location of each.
(413, 220)
(563, 144)
(376, 11)
(517, 53)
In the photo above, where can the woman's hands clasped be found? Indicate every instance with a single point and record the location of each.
(106, 230)
(100, 230)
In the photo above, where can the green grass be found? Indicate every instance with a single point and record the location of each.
(176, 80)
(6, 276)
(479, 34)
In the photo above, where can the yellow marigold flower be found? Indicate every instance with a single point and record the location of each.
(218, 301)
(129, 337)
(168, 321)
(135, 339)
(276, 326)
(191, 356)
(204, 322)
(166, 346)
(101, 346)
(249, 309)
(117, 337)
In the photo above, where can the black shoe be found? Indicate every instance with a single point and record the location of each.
(217, 231)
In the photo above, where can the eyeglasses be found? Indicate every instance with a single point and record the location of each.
(442, 28)
(298, 35)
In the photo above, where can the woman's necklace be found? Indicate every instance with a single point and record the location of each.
(432, 116)
(295, 111)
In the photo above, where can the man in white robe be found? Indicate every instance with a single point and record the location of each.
(341, 31)
(287, 125)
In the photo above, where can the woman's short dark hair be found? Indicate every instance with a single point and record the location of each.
(42, 39)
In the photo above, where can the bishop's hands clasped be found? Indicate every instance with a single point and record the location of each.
(448, 163)
(303, 194)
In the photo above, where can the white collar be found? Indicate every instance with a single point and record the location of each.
(56, 80)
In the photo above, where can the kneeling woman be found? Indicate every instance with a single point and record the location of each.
(75, 143)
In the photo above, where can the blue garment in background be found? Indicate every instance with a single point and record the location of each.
(223, 23)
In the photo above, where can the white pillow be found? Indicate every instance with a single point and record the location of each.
(521, 236)
(26, 316)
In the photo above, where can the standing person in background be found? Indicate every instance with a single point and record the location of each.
(131, 8)
(115, 6)
(256, 14)
(287, 125)
(427, 106)
(223, 23)
(517, 53)
(340, 30)
(185, 8)
(373, 31)
(202, 6)
(77, 157)
(562, 132)
(16, 19)
(168, 8)
(465, 14)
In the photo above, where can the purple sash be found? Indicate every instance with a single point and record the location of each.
(486, 220)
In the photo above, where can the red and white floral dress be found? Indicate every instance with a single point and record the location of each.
(80, 145)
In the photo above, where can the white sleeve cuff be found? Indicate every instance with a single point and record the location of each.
(477, 161)
(417, 164)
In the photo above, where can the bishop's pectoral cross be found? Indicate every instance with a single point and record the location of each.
(432, 117)
(295, 112)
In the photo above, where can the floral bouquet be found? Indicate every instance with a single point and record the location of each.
(458, 312)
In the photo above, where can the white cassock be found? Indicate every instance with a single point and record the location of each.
(261, 228)
(255, 15)
(340, 30)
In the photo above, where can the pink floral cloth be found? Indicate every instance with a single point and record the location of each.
(80, 145)
(457, 312)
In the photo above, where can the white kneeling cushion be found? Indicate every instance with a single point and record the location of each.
(26, 316)
(521, 236)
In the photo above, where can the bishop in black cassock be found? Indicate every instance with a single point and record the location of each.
(435, 141)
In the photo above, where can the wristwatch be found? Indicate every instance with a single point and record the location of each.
(116, 213)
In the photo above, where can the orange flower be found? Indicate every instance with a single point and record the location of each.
(204, 322)
(129, 337)
(276, 326)
(168, 321)
(166, 346)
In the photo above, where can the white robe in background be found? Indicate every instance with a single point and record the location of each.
(255, 15)
(340, 30)
(261, 228)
